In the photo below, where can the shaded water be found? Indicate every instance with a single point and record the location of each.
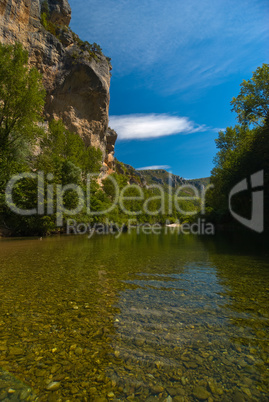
(139, 318)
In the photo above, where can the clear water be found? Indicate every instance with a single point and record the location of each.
(139, 318)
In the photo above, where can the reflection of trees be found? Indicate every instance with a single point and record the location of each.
(242, 269)
(148, 309)
(57, 314)
(57, 307)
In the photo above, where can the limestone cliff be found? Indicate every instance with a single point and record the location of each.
(76, 74)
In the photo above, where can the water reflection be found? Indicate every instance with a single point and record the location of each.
(246, 283)
(164, 330)
(187, 328)
(139, 318)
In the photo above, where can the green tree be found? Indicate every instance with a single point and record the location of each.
(252, 103)
(243, 149)
(60, 146)
(21, 103)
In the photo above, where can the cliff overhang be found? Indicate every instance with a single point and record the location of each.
(76, 74)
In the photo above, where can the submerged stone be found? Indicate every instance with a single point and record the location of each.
(13, 350)
(53, 386)
(201, 393)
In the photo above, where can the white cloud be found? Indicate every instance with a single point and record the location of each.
(147, 126)
(155, 167)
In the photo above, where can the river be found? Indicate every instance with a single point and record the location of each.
(140, 318)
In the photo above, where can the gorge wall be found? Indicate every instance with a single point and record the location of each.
(76, 74)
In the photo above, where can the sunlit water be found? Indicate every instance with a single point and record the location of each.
(139, 318)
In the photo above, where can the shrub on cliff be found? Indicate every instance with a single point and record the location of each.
(61, 145)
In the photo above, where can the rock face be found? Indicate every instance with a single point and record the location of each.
(76, 74)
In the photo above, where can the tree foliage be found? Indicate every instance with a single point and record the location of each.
(21, 100)
(252, 103)
(60, 146)
(25, 145)
(243, 149)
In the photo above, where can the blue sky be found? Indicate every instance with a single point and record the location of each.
(176, 66)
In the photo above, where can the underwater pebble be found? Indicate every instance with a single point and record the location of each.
(201, 393)
(53, 386)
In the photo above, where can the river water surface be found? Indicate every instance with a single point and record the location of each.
(139, 318)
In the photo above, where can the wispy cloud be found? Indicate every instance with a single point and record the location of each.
(217, 130)
(148, 126)
(155, 167)
(182, 45)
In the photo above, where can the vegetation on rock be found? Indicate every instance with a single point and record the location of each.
(93, 50)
